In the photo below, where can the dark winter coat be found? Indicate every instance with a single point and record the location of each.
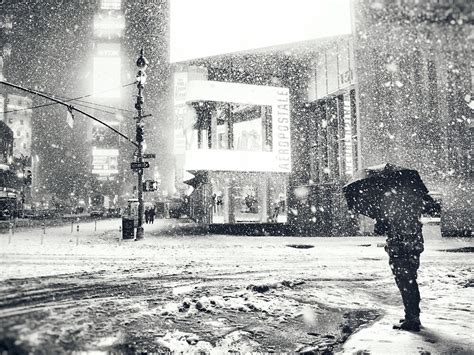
(400, 219)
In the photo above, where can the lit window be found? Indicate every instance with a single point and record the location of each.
(110, 4)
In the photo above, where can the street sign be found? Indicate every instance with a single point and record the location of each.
(140, 165)
(149, 156)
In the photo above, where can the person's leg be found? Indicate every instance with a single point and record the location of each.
(405, 272)
(411, 290)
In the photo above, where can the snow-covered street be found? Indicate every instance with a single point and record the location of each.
(89, 290)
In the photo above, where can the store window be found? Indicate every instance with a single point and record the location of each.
(242, 127)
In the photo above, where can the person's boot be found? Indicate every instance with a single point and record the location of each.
(412, 325)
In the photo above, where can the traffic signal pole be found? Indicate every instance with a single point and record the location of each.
(141, 79)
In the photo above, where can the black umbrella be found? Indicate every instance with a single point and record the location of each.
(366, 189)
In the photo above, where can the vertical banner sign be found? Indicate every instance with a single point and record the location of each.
(180, 111)
(281, 130)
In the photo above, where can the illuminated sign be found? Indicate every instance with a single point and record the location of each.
(107, 49)
(104, 161)
(181, 110)
(108, 25)
(110, 4)
(277, 98)
(106, 77)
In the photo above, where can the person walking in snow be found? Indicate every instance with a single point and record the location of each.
(151, 215)
(401, 209)
(147, 215)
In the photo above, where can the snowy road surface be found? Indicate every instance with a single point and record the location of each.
(88, 290)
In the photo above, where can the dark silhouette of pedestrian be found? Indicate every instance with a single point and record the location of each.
(152, 215)
(400, 212)
(147, 215)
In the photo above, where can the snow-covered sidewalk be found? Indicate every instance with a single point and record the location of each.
(187, 292)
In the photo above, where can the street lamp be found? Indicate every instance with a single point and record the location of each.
(142, 64)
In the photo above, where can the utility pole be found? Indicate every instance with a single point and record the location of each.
(142, 63)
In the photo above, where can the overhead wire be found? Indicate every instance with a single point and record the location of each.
(76, 99)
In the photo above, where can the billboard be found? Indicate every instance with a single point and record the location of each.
(253, 158)
(109, 25)
(104, 161)
(106, 77)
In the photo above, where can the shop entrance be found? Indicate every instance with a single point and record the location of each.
(248, 197)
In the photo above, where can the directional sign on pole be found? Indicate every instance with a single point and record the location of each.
(140, 165)
(149, 156)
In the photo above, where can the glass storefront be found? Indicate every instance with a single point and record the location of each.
(248, 197)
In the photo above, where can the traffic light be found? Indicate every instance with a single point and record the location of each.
(139, 133)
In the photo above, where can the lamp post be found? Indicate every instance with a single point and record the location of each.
(142, 64)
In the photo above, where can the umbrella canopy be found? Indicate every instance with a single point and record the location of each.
(366, 190)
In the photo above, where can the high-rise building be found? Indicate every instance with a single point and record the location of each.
(120, 30)
(18, 118)
(414, 87)
(107, 69)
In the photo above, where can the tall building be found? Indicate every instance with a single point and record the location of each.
(120, 30)
(147, 28)
(107, 82)
(414, 79)
(46, 51)
(15, 113)
(71, 51)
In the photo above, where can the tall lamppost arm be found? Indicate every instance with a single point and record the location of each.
(70, 107)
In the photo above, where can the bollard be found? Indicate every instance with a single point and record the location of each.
(77, 228)
(95, 226)
(72, 226)
(44, 228)
(120, 229)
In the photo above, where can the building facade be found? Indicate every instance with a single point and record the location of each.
(367, 99)
(18, 118)
(233, 148)
(106, 176)
(16, 140)
(322, 139)
(414, 95)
